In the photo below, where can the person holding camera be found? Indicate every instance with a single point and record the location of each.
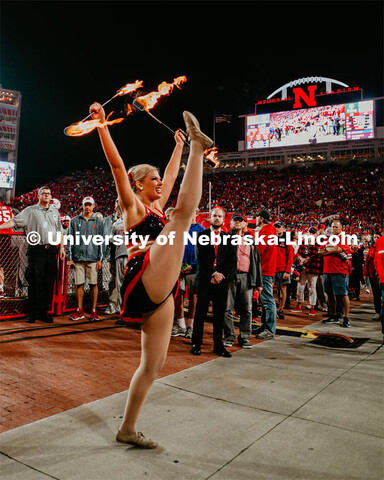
(336, 272)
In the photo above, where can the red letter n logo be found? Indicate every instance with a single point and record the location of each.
(308, 99)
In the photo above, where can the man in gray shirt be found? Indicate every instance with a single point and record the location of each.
(38, 221)
(85, 256)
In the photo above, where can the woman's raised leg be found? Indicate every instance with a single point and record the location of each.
(163, 267)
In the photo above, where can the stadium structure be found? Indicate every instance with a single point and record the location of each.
(282, 132)
(10, 108)
(319, 126)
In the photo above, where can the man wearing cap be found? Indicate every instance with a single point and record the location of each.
(85, 256)
(241, 291)
(65, 219)
(38, 222)
(284, 262)
(267, 247)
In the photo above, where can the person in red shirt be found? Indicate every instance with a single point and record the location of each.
(336, 274)
(370, 275)
(266, 242)
(379, 265)
(379, 259)
(5, 215)
(284, 262)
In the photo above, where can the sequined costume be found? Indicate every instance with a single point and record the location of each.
(136, 301)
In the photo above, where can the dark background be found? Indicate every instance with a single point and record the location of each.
(62, 56)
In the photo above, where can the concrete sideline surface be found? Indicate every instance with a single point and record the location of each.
(285, 409)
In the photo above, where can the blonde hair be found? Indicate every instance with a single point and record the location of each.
(139, 172)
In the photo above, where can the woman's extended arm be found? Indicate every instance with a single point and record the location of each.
(119, 172)
(172, 169)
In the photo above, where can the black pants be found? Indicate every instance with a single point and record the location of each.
(322, 301)
(291, 292)
(41, 275)
(206, 292)
(354, 281)
(375, 285)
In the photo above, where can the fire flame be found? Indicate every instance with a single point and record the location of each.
(130, 109)
(149, 101)
(211, 155)
(130, 87)
(82, 128)
(146, 101)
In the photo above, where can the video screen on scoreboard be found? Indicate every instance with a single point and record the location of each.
(329, 123)
(7, 174)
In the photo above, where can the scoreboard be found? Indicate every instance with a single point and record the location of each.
(322, 124)
(7, 175)
(359, 120)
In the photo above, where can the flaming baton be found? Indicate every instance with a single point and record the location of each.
(209, 154)
(146, 102)
(143, 103)
(83, 127)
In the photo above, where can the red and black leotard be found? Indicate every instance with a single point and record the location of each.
(135, 298)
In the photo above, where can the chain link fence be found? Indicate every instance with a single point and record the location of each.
(14, 286)
(69, 300)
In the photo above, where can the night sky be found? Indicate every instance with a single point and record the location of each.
(62, 56)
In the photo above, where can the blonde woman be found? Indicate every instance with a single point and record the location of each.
(152, 272)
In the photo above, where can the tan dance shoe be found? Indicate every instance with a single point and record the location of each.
(136, 439)
(194, 132)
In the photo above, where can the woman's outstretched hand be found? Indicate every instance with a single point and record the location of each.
(97, 111)
(179, 138)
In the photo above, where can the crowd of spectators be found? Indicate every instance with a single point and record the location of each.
(296, 198)
(71, 188)
(300, 196)
(304, 196)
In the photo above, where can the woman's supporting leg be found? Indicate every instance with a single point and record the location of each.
(155, 337)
